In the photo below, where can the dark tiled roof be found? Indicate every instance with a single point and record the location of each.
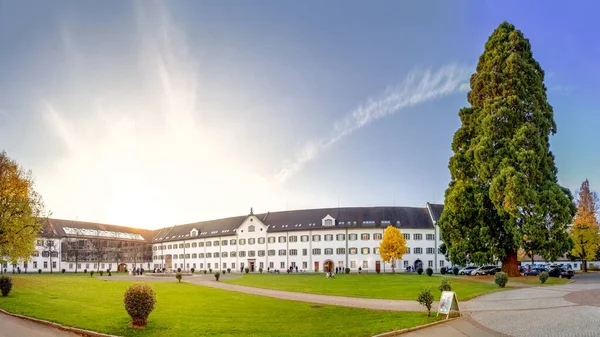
(211, 228)
(436, 211)
(58, 225)
(350, 217)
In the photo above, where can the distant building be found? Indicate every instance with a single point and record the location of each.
(307, 240)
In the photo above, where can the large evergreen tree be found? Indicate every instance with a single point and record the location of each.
(503, 194)
(584, 232)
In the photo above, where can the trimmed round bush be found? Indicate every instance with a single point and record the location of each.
(92, 273)
(109, 273)
(217, 275)
(5, 285)
(85, 271)
(543, 276)
(210, 270)
(260, 270)
(347, 270)
(205, 272)
(101, 272)
(179, 270)
(229, 270)
(455, 271)
(39, 271)
(443, 271)
(446, 285)
(419, 270)
(139, 302)
(501, 278)
(247, 270)
(193, 270)
(429, 271)
(178, 276)
(63, 271)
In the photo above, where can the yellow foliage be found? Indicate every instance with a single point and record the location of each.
(393, 246)
(584, 232)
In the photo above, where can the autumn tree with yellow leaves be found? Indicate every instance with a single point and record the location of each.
(393, 246)
(584, 232)
(20, 211)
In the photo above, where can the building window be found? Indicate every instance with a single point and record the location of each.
(261, 240)
(293, 238)
(407, 250)
(251, 241)
(352, 251)
(181, 256)
(340, 237)
(208, 265)
(194, 244)
(251, 253)
(328, 237)
(34, 264)
(328, 251)
(377, 236)
(200, 255)
(181, 246)
(201, 244)
(224, 254)
(352, 264)
(208, 244)
(224, 265)
(187, 245)
(40, 242)
(304, 238)
(293, 252)
(169, 247)
(405, 264)
(242, 254)
(340, 251)
(232, 242)
(187, 256)
(429, 237)
(270, 264)
(365, 250)
(418, 236)
(208, 255)
(261, 253)
(233, 265)
(328, 222)
(282, 264)
(429, 250)
(271, 252)
(365, 236)
(441, 263)
(365, 264)
(282, 252)
(251, 228)
(281, 239)
(201, 265)
(352, 237)
(316, 238)
(304, 265)
(316, 251)
(430, 263)
(304, 252)
(418, 250)
(223, 242)
(272, 239)
(241, 242)
(233, 254)
(406, 236)
(216, 243)
(216, 254)
(53, 264)
(376, 250)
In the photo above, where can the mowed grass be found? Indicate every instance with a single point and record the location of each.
(185, 309)
(386, 286)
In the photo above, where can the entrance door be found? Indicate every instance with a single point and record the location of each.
(328, 266)
(377, 266)
(122, 267)
(251, 265)
(316, 266)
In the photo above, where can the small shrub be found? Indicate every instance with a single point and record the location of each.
(63, 271)
(229, 270)
(109, 273)
(139, 302)
(5, 285)
(429, 271)
(101, 272)
(39, 271)
(222, 272)
(425, 298)
(210, 270)
(85, 271)
(178, 276)
(260, 270)
(92, 273)
(205, 272)
(446, 285)
(247, 270)
(179, 270)
(455, 271)
(359, 269)
(501, 279)
(347, 270)
(543, 276)
(443, 271)
(217, 275)
(193, 270)
(420, 271)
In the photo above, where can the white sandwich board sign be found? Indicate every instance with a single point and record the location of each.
(448, 303)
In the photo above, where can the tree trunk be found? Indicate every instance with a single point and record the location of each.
(510, 264)
(584, 264)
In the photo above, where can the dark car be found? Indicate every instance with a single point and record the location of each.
(485, 270)
(532, 272)
(561, 272)
(494, 271)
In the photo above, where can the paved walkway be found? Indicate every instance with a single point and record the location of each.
(12, 326)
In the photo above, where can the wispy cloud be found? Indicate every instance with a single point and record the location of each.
(418, 87)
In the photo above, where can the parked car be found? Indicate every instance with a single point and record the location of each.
(495, 270)
(561, 272)
(532, 272)
(484, 270)
(467, 270)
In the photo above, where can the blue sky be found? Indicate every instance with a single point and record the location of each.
(152, 114)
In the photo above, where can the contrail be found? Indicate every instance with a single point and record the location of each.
(418, 87)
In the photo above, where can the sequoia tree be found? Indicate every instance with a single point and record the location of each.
(20, 210)
(584, 232)
(504, 194)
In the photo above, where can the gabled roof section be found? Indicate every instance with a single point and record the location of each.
(210, 228)
(71, 228)
(436, 211)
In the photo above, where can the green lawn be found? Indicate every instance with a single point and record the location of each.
(388, 286)
(185, 309)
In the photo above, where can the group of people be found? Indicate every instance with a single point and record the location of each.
(137, 271)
